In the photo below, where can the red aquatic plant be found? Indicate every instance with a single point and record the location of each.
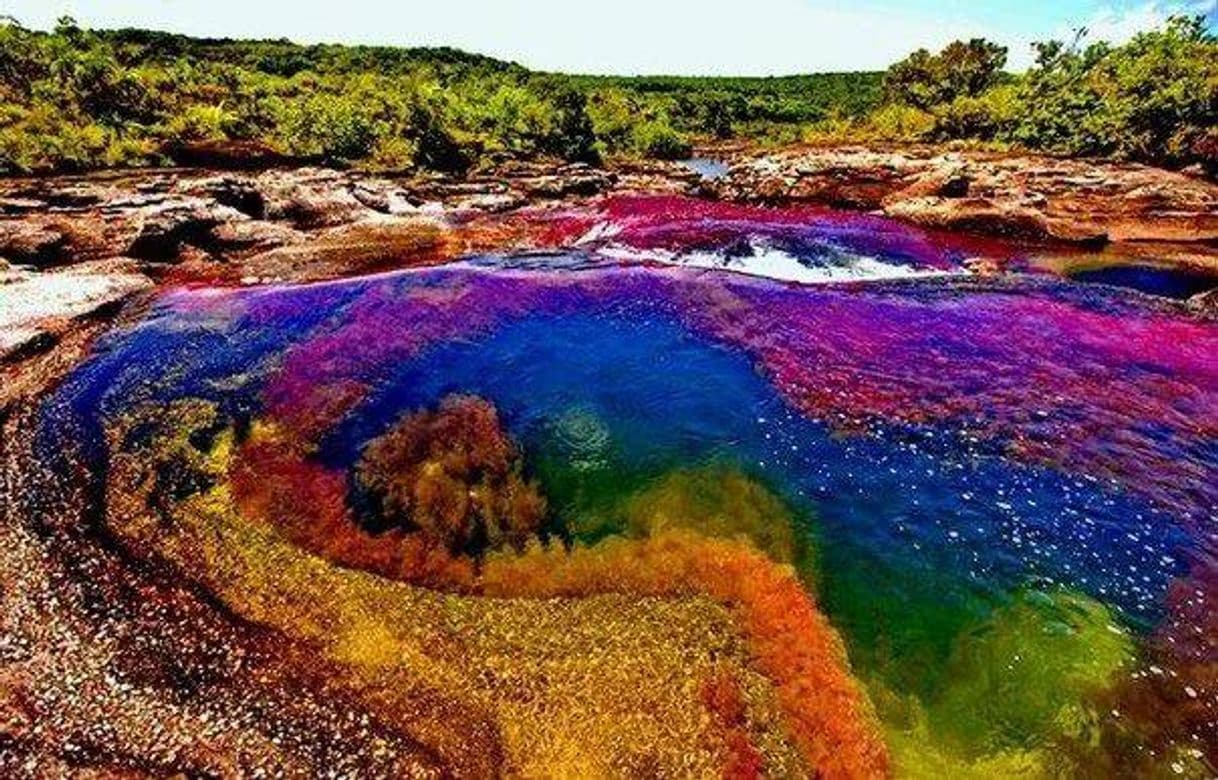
(453, 476)
(723, 699)
(792, 642)
(275, 482)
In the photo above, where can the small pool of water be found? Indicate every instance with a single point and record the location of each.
(1176, 283)
(706, 167)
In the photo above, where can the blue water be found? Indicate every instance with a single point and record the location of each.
(917, 516)
(1166, 282)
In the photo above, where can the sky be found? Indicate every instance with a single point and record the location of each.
(686, 37)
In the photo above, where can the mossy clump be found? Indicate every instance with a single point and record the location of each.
(453, 476)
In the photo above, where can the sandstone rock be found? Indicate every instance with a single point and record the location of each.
(235, 192)
(982, 266)
(164, 228)
(362, 247)
(383, 196)
(1205, 303)
(32, 242)
(250, 235)
(1020, 195)
(37, 308)
(490, 202)
(227, 155)
(310, 198)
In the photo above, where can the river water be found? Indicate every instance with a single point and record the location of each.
(1004, 490)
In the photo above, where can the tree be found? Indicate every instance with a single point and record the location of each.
(962, 69)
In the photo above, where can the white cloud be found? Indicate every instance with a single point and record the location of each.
(1118, 25)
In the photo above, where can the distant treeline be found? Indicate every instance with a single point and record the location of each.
(75, 99)
(1153, 99)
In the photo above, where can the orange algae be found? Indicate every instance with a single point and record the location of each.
(454, 476)
(724, 700)
(603, 685)
(791, 641)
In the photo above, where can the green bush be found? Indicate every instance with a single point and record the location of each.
(962, 69)
(328, 126)
(987, 116)
(74, 99)
(657, 139)
(200, 123)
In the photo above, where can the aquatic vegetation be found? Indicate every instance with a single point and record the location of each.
(1028, 671)
(598, 512)
(715, 502)
(452, 475)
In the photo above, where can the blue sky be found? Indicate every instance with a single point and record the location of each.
(747, 37)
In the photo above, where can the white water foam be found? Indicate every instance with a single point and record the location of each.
(775, 263)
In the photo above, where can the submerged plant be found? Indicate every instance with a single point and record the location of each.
(454, 476)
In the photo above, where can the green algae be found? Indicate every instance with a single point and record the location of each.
(1018, 696)
(1025, 675)
(899, 619)
(716, 501)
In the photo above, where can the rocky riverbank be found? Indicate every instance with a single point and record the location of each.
(1172, 215)
(73, 250)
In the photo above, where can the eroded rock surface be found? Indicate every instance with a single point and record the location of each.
(36, 309)
(1025, 196)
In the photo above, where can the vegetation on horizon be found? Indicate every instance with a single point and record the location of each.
(1154, 99)
(75, 99)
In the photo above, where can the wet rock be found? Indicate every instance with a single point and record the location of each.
(982, 266)
(1205, 303)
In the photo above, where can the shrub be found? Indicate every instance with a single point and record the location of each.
(658, 139)
(328, 126)
(986, 116)
(200, 123)
(962, 69)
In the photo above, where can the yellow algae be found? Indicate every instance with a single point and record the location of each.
(715, 501)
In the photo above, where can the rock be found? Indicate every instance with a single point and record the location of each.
(1205, 303)
(565, 183)
(235, 192)
(310, 198)
(489, 202)
(982, 266)
(227, 155)
(32, 242)
(972, 214)
(37, 308)
(164, 228)
(383, 196)
(1016, 195)
(250, 235)
(363, 247)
